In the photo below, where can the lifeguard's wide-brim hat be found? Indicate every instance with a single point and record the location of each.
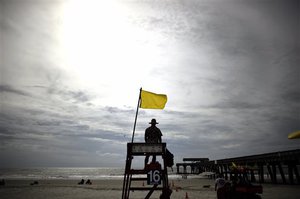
(153, 121)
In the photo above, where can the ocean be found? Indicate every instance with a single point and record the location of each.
(67, 173)
(62, 173)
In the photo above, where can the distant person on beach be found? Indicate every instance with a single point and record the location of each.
(34, 183)
(81, 182)
(220, 187)
(88, 182)
(152, 135)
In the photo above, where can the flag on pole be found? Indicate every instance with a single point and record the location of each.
(152, 100)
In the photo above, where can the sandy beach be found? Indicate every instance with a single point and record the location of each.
(112, 189)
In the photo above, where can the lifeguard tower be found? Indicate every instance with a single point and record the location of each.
(155, 174)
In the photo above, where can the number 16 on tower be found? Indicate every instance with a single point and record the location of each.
(153, 177)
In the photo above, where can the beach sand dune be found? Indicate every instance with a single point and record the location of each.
(112, 189)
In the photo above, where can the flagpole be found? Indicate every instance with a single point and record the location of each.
(136, 114)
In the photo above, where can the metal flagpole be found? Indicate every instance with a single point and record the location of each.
(136, 114)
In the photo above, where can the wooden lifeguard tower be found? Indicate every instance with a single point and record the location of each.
(155, 174)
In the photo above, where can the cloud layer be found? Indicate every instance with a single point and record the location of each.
(230, 70)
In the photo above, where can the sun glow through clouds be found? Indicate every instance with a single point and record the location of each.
(102, 48)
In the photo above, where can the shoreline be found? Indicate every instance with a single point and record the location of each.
(197, 188)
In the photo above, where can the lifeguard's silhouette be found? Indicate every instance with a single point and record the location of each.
(152, 135)
(154, 173)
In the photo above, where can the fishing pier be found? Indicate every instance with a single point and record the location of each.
(277, 168)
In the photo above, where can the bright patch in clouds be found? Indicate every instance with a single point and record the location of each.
(104, 52)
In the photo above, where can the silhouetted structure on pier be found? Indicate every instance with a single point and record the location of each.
(279, 167)
(193, 163)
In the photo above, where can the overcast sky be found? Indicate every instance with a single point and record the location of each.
(71, 73)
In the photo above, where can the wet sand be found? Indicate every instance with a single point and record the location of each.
(112, 189)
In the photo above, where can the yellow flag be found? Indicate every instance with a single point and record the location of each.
(152, 100)
(234, 165)
(294, 135)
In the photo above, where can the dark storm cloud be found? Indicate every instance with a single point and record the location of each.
(291, 96)
(10, 89)
(66, 94)
(52, 121)
(238, 104)
(58, 134)
(116, 110)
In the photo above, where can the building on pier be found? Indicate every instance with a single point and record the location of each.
(190, 166)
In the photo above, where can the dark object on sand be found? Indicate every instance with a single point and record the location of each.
(34, 183)
(206, 186)
(88, 182)
(166, 194)
(81, 182)
(2, 182)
